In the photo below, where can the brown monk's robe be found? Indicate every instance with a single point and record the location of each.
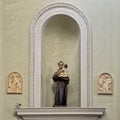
(61, 90)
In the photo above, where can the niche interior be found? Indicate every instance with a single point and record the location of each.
(60, 42)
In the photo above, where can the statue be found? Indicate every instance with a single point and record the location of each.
(62, 80)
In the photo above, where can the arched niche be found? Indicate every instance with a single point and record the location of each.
(38, 26)
(61, 41)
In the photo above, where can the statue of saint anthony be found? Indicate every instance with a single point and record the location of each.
(62, 80)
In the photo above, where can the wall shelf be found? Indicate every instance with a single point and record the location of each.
(63, 113)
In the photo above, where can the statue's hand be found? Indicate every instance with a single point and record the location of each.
(59, 72)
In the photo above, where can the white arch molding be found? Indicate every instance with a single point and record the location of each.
(37, 29)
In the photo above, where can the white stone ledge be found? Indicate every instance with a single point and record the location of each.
(60, 113)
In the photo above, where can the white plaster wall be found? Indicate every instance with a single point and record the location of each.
(1, 82)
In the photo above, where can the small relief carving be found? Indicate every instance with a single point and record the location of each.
(105, 84)
(14, 83)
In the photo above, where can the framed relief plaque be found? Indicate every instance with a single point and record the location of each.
(105, 84)
(14, 83)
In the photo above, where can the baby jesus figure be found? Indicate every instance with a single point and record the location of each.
(64, 72)
(62, 80)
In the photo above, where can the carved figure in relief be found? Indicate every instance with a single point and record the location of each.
(105, 82)
(61, 79)
(14, 83)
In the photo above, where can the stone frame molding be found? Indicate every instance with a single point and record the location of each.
(38, 25)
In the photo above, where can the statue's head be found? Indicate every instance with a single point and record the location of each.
(60, 64)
